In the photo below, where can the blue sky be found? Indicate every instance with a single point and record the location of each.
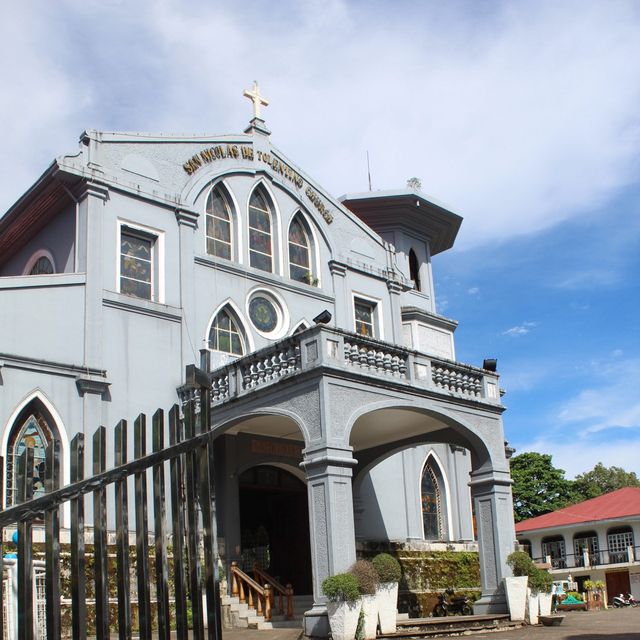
(522, 116)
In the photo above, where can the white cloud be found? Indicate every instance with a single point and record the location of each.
(519, 117)
(520, 330)
(610, 402)
(473, 290)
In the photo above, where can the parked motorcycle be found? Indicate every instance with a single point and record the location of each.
(632, 601)
(621, 601)
(451, 604)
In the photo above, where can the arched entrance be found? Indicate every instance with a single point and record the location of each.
(274, 525)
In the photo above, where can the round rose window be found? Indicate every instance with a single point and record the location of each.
(263, 314)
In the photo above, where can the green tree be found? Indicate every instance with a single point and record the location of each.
(538, 487)
(601, 479)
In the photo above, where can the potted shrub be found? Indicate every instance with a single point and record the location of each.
(344, 605)
(367, 578)
(516, 586)
(540, 582)
(389, 573)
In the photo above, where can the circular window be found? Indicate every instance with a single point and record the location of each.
(263, 314)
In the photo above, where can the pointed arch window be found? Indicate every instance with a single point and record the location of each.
(414, 269)
(219, 223)
(260, 231)
(31, 430)
(431, 504)
(225, 334)
(300, 252)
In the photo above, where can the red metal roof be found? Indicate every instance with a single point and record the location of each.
(622, 503)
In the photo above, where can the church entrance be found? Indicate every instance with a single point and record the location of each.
(274, 524)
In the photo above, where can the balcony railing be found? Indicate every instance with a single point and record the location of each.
(586, 559)
(331, 348)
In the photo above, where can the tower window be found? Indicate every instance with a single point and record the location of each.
(414, 270)
(225, 335)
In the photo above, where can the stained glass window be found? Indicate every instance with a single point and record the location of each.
(219, 229)
(35, 434)
(136, 264)
(364, 317)
(299, 253)
(431, 508)
(263, 314)
(260, 249)
(225, 335)
(42, 266)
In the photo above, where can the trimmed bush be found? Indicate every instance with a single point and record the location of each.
(521, 563)
(366, 575)
(343, 587)
(387, 567)
(540, 581)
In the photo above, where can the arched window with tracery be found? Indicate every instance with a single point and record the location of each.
(34, 429)
(260, 230)
(300, 251)
(431, 503)
(225, 334)
(219, 214)
(414, 269)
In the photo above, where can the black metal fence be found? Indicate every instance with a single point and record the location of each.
(190, 530)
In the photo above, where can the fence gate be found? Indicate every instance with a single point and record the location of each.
(179, 569)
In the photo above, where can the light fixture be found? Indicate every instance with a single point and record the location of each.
(490, 364)
(323, 318)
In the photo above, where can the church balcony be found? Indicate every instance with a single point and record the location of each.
(343, 354)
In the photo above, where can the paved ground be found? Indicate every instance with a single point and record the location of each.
(613, 624)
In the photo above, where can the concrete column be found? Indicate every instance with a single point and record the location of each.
(191, 338)
(342, 310)
(333, 549)
(90, 260)
(493, 503)
(395, 289)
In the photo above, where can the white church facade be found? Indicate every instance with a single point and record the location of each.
(340, 411)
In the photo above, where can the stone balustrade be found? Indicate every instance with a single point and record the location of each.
(322, 346)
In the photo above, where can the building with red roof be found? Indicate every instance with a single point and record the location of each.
(598, 539)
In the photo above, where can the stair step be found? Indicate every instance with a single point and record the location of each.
(432, 627)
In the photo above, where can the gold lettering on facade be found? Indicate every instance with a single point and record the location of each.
(319, 205)
(219, 152)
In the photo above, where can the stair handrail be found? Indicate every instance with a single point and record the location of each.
(286, 591)
(263, 595)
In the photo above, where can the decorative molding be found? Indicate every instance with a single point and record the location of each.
(95, 189)
(337, 268)
(187, 217)
(11, 361)
(91, 384)
(415, 313)
(395, 287)
(258, 125)
(273, 281)
(143, 307)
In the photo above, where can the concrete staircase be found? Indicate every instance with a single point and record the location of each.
(236, 615)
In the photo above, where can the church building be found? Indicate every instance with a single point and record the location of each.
(340, 411)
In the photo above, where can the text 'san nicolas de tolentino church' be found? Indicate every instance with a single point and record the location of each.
(340, 412)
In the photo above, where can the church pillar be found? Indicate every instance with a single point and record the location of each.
(191, 339)
(493, 506)
(332, 531)
(342, 309)
(395, 289)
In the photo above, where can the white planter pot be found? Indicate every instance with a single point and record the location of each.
(370, 609)
(343, 619)
(544, 603)
(387, 597)
(516, 591)
(532, 607)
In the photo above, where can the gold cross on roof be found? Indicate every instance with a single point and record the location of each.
(256, 98)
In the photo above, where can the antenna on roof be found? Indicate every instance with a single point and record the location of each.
(369, 170)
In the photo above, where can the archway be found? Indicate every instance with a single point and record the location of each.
(274, 525)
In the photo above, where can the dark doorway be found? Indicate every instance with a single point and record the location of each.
(274, 524)
(617, 582)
